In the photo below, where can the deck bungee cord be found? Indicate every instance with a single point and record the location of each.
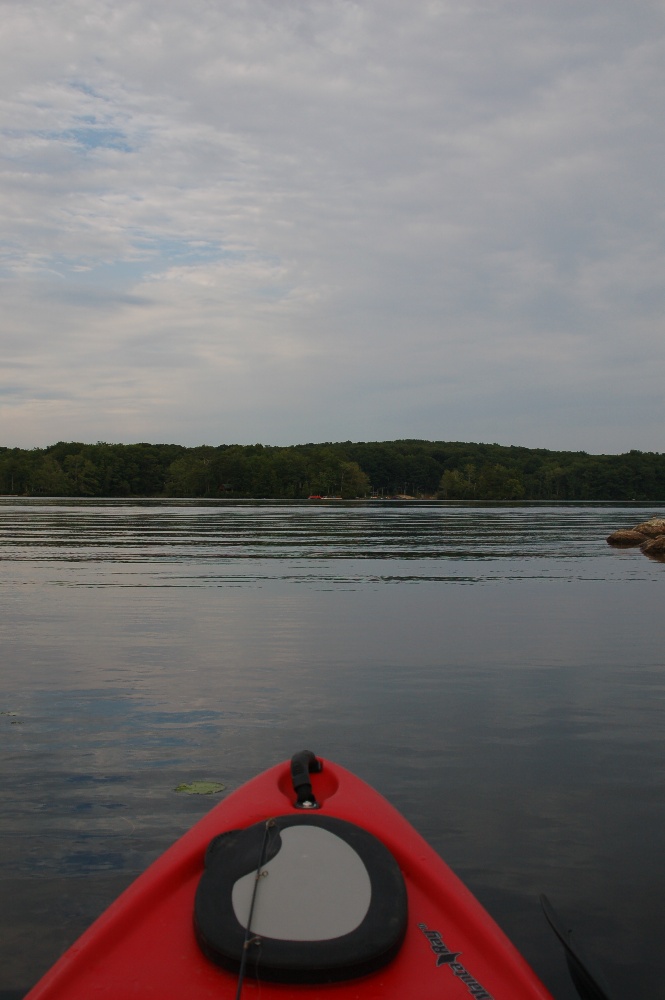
(251, 939)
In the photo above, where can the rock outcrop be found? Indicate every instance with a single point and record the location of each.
(626, 538)
(654, 548)
(648, 535)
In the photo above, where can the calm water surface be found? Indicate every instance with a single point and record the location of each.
(498, 673)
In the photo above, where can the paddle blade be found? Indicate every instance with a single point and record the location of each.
(586, 983)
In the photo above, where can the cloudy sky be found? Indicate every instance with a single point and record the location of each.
(318, 220)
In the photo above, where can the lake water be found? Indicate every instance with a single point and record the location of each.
(496, 672)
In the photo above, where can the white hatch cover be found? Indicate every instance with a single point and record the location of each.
(315, 888)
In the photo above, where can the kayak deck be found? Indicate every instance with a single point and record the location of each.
(145, 944)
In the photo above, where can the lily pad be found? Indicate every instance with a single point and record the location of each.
(201, 788)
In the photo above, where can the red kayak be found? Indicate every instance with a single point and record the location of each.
(305, 882)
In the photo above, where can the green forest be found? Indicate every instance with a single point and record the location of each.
(420, 469)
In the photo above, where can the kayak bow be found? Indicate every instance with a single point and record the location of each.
(304, 882)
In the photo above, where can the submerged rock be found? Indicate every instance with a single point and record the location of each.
(626, 537)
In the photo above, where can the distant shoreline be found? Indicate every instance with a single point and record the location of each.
(406, 471)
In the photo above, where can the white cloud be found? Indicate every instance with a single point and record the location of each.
(278, 222)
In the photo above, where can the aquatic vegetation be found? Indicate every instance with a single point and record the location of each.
(200, 788)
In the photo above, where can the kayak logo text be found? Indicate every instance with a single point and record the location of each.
(444, 956)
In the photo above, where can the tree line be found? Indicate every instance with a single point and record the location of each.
(436, 469)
